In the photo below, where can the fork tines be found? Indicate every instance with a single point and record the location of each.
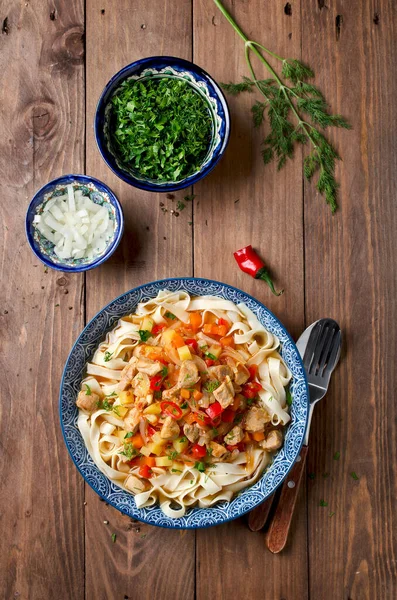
(322, 349)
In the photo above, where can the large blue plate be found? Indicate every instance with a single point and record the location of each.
(73, 373)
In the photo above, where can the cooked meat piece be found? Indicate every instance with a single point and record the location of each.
(206, 400)
(224, 428)
(170, 429)
(134, 484)
(148, 366)
(87, 402)
(220, 372)
(192, 432)
(255, 419)
(234, 436)
(217, 449)
(205, 437)
(188, 374)
(131, 419)
(241, 374)
(273, 441)
(141, 385)
(224, 394)
(127, 375)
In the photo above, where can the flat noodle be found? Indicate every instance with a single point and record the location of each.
(106, 431)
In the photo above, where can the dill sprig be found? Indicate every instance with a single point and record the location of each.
(296, 109)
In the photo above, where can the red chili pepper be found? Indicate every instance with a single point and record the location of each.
(214, 410)
(250, 390)
(217, 421)
(157, 328)
(209, 362)
(228, 416)
(145, 471)
(171, 409)
(150, 430)
(191, 342)
(198, 451)
(249, 262)
(155, 382)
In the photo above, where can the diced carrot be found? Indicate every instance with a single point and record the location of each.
(208, 328)
(178, 341)
(236, 404)
(195, 320)
(220, 330)
(185, 394)
(223, 322)
(197, 395)
(150, 461)
(227, 341)
(258, 436)
(189, 463)
(246, 438)
(137, 440)
(190, 418)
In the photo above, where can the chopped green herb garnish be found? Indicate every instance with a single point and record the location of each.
(112, 395)
(144, 334)
(215, 431)
(210, 356)
(288, 397)
(311, 475)
(164, 372)
(183, 439)
(106, 405)
(87, 390)
(354, 475)
(323, 503)
(331, 514)
(184, 405)
(129, 451)
(143, 535)
(56, 305)
(128, 435)
(200, 466)
(211, 386)
(190, 197)
(169, 315)
(108, 356)
(176, 471)
(191, 481)
(203, 348)
(158, 395)
(325, 475)
(337, 455)
(238, 418)
(180, 205)
(160, 127)
(209, 451)
(173, 455)
(250, 401)
(114, 537)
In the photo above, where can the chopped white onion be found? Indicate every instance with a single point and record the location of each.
(77, 226)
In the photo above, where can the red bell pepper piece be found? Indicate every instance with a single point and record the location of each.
(249, 262)
(250, 390)
(214, 410)
(150, 431)
(145, 471)
(209, 362)
(223, 322)
(155, 383)
(157, 328)
(228, 416)
(192, 342)
(198, 451)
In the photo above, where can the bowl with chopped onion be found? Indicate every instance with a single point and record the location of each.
(74, 223)
(162, 124)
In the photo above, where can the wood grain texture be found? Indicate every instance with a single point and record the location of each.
(351, 276)
(145, 562)
(42, 136)
(268, 215)
(257, 518)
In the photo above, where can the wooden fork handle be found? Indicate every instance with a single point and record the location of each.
(258, 516)
(277, 535)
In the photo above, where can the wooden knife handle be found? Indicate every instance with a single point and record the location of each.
(258, 516)
(277, 534)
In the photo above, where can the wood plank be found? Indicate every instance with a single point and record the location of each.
(144, 562)
(351, 276)
(268, 215)
(42, 137)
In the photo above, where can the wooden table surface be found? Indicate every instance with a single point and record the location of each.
(55, 57)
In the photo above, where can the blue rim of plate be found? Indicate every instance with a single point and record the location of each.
(65, 179)
(195, 518)
(118, 78)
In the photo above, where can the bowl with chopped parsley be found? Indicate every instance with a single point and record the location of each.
(162, 124)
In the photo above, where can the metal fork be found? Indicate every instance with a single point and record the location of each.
(320, 347)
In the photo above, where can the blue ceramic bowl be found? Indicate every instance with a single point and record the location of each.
(165, 66)
(98, 193)
(194, 518)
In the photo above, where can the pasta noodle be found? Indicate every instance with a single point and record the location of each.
(185, 401)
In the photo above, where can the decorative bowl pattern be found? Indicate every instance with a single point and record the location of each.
(99, 193)
(194, 518)
(155, 67)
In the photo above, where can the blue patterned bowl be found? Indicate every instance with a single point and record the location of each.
(169, 66)
(98, 193)
(194, 518)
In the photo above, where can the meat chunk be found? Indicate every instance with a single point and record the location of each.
(131, 419)
(224, 394)
(188, 374)
(148, 366)
(217, 449)
(192, 432)
(170, 429)
(241, 374)
(127, 375)
(220, 372)
(224, 428)
(273, 441)
(205, 437)
(135, 485)
(234, 436)
(87, 402)
(255, 419)
(141, 385)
